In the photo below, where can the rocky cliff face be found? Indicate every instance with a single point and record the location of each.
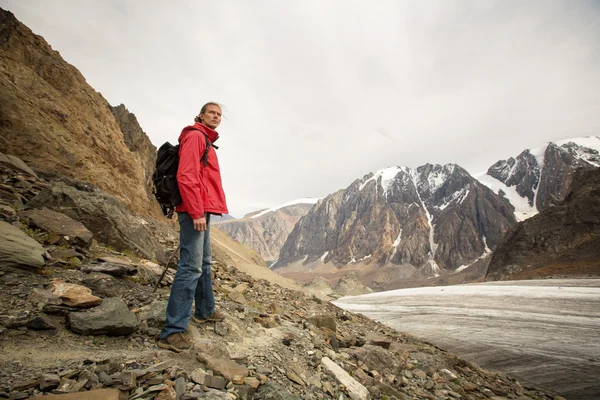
(561, 240)
(53, 120)
(435, 218)
(138, 143)
(540, 178)
(266, 231)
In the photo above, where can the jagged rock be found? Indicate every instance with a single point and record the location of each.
(180, 386)
(167, 394)
(221, 328)
(374, 356)
(40, 298)
(19, 250)
(199, 376)
(49, 382)
(64, 254)
(109, 268)
(151, 272)
(138, 142)
(41, 322)
(323, 321)
(215, 382)
(226, 368)
(24, 385)
(128, 379)
(112, 318)
(275, 391)
(54, 222)
(292, 376)
(15, 319)
(390, 391)
(104, 285)
(252, 382)
(73, 295)
(155, 313)
(355, 390)
(381, 342)
(237, 297)
(99, 394)
(16, 164)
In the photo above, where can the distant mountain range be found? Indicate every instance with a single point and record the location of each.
(400, 223)
(266, 230)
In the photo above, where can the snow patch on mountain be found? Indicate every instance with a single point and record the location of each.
(307, 200)
(324, 255)
(437, 178)
(522, 208)
(456, 197)
(387, 177)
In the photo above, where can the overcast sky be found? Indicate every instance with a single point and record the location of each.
(319, 93)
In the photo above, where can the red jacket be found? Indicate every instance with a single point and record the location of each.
(199, 185)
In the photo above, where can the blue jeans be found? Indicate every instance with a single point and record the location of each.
(192, 280)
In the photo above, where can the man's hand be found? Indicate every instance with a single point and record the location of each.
(200, 224)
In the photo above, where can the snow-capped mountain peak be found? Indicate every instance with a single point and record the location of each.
(540, 177)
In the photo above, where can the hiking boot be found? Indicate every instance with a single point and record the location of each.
(216, 317)
(177, 342)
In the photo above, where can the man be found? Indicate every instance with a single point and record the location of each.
(202, 195)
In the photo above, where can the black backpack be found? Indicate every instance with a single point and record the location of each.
(164, 177)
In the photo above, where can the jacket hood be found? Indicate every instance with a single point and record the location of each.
(210, 133)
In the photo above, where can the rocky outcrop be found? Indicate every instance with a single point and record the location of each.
(266, 231)
(53, 120)
(563, 240)
(542, 176)
(435, 217)
(55, 223)
(108, 218)
(19, 250)
(138, 143)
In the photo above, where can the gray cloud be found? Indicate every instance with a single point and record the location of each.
(319, 93)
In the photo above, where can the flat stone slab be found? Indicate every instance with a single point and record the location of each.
(74, 295)
(54, 222)
(100, 394)
(19, 250)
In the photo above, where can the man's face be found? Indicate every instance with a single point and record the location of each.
(211, 116)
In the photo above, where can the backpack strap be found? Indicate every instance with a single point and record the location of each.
(204, 157)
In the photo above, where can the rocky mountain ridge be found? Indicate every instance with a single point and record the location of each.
(540, 178)
(266, 230)
(51, 118)
(425, 221)
(562, 240)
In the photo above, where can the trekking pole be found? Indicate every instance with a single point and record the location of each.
(166, 268)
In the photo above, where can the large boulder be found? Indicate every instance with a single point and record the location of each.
(106, 217)
(60, 224)
(111, 318)
(17, 249)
